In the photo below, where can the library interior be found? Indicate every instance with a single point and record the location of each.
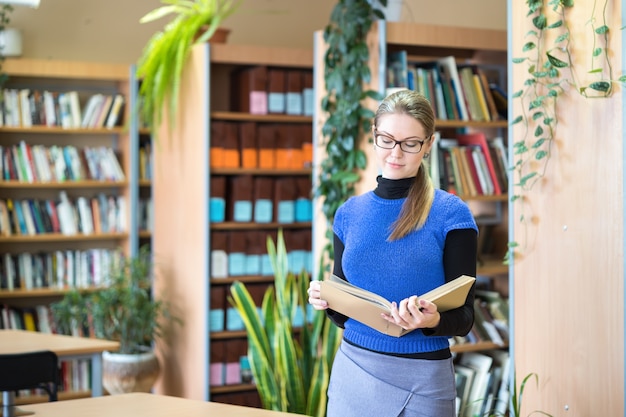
(171, 198)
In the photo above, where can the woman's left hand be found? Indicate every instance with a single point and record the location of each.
(413, 313)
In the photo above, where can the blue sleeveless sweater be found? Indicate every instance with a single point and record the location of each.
(396, 270)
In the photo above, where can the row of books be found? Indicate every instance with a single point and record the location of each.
(224, 317)
(61, 269)
(263, 90)
(30, 107)
(74, 375)
(100, 214)
(39, 163)
(238, 253)
(256, 145)
(262, 199)
(491, 320)
(229, 364)
(470, 165)
(456, 91)
(482, 383)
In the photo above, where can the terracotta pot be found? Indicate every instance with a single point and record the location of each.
(122, 373)
(219, 36)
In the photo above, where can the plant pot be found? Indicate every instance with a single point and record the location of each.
(122, 373)
(10, 42)
(219, 36)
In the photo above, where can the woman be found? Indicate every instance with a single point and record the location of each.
(402, 239)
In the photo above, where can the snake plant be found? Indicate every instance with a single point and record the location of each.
(291, 366)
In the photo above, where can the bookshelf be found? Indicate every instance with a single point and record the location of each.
(35, 255)
(422, 45)
(203, 199)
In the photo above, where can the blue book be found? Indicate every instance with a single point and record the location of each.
(263, 210)
(236, 263)
(286, 212)
(242, 211)
(217, 210)
(303, 210)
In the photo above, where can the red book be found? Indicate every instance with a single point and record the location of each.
(478, 138)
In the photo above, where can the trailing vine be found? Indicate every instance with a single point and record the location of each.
(550, 74)
(346, 71)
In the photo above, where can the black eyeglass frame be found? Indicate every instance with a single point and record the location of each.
(400, 143)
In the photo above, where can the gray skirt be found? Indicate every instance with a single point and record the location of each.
(364, 384)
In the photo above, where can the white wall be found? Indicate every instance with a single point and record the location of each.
(109, 30)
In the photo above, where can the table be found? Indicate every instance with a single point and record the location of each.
(145, 405)
(66, 347)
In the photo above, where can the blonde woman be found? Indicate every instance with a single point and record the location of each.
(402, 239)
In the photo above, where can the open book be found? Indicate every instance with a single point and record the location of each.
(366, 307)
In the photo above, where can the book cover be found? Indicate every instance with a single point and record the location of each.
(366, 306)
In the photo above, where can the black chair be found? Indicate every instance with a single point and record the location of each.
(27, 371)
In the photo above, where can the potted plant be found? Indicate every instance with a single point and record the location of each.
(291, 372)
(125, 311)
(164, 56)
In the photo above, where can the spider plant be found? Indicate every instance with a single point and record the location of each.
(164, 56)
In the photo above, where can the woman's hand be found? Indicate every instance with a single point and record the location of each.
(314, 296)
(413, 314)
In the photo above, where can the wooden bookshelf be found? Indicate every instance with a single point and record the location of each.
(182, 189)
(86, 79)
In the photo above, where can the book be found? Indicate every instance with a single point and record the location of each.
(366, 306)
(478, 138)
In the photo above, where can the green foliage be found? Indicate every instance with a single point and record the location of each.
(291, 373)
(346, 71)
(164, 56)
(550, 70)
(516, 396)
(5, 12)
(124, 310)
(515, 400)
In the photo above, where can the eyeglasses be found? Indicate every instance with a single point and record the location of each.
(387, 142)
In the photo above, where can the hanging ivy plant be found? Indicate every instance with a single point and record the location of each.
(550, 71)
(346, 71)
(5, 11)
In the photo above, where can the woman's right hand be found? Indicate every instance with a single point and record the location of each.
(314, 296)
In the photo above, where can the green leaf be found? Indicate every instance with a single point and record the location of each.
(524, 180)
(556, 62)
(517, 120)
(541, 155)
(622, 79)
(518, 60)
(538, 131)
(562, 37)
(529, 46)
(540, 21)
(597, 52)
(517, 94)
(602, 86)
(602, 30)
(556, 24)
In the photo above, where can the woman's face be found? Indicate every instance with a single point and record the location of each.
(400, 131)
